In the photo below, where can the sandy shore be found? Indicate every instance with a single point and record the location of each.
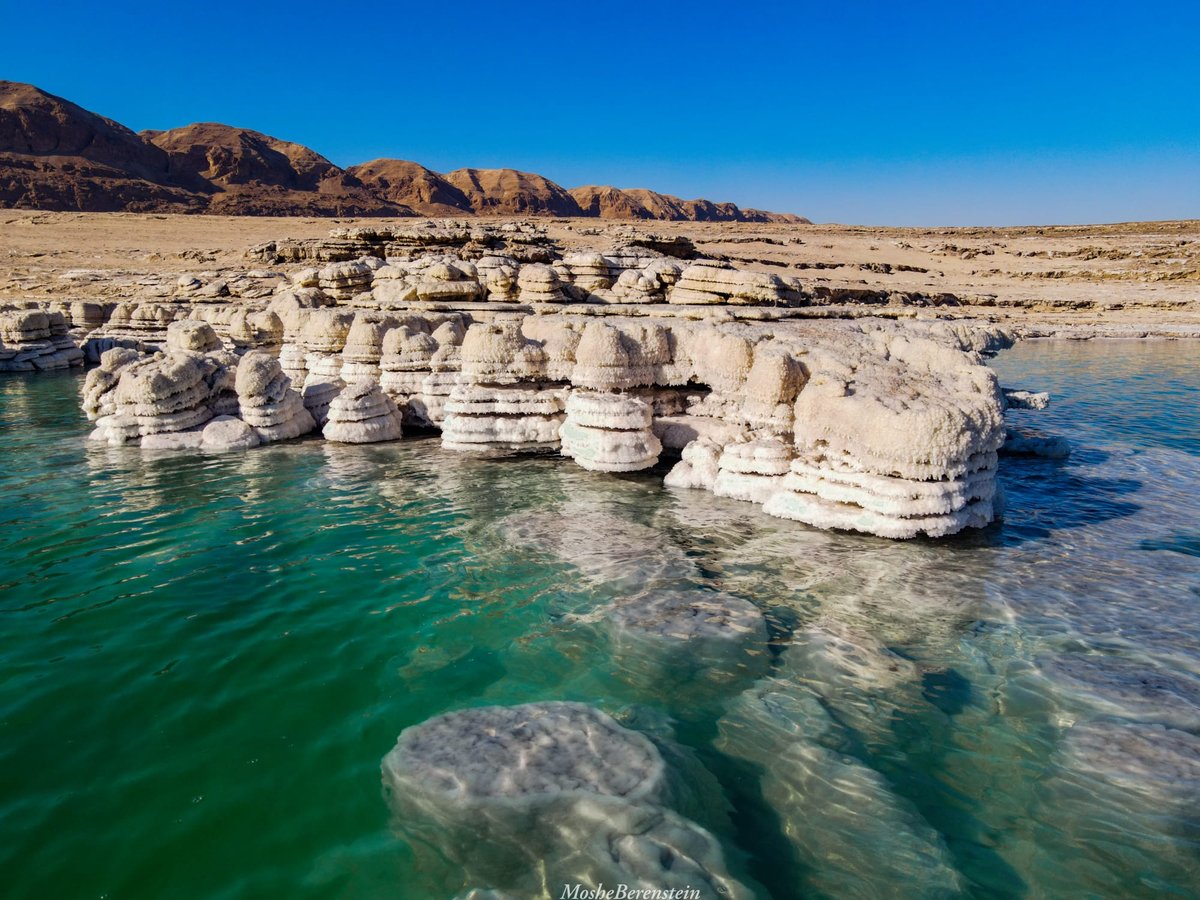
(1136, 279)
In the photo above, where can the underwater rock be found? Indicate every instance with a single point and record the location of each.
(1115, 686)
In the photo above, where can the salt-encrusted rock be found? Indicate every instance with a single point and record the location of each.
(32, 340)
(251, 330)
(99, 386)
(609, 433)
(406, 361)
(266, 400)
(225, 433)
(159, 395)
(911, 411)
(448, 283)
(498, 275)
(501, 418)
(535, 798)
(772, 384)
(559, 340)
(307, 277)
(830, 806)
(698, 468)
(710, 282)
(1015, 399)
(609, 359)
(192, 336)
(753, 470)
(538, 283)
(362, 414)
(1020, 443)
(676, 637)
(364, 346)
(587, 271)
(344, 280)
(638, 287)
(498, 353)
(676, 432)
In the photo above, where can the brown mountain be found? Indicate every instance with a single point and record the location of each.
(56, 155)
(412, 185)
(248, 173)
(503, 192)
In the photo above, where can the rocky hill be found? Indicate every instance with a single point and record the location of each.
(56, 155)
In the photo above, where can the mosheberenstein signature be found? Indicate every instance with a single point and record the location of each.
(625, 892)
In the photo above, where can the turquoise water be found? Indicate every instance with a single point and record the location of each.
(204, 659)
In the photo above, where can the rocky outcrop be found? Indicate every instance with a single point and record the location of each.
(412, 185)
(614, 203)
(507, 192)
(35, 341)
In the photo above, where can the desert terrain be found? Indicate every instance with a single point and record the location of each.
(1135, 279)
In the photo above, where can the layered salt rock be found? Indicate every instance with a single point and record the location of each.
(363, 349)
(709, 282)
(502, 418)
(1115, 686)
(164, 394)
(538, 797)
(851, 834)
(609, 433)
(255, 330)
(33, 340)
(267, 401)
(99, 385)
(343, 280)
(698, 468)
(405, 362)
(612, 359)
(587, 271)
(448, 283)
(293, 308)
(559, 340)
(192, 336)
(770, 390)
(498, 275)
(752, 470)
(680, 637)
(1017, 399)
(445, 374)
(498, 353)
(537, 283)
(904, 445)
(322, 338)
(362, 414)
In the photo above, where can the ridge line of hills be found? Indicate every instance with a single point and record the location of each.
(56, 155)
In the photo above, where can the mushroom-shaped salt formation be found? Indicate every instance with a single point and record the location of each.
(159, 395)
(31, 340)
(609, 433)
(267, 402)
(699, 467)
(343, 280)
(448, 283)
(364, 346)
(539, 284)
(502, 418)
(362, 414)
(99, 385)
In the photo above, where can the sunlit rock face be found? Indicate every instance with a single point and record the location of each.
(535, 797)
(609, 433)
(362, 414)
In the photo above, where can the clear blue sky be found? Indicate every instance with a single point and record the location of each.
(875, 113)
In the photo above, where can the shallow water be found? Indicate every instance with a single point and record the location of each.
(204, 659)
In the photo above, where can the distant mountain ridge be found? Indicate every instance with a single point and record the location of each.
(55, 155)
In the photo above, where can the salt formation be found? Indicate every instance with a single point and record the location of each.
(99, 385)
(1147, 759)
(885, 451)
(1114, 686)
(502, 418)
(539, 284)
(160, 395)
(536, 797)
(609, 433)
(252, 330)
(31, 340)
(852, 834)
(699, 467)
(448, 283)
(267, 401)
(362, 414)
(364, 346)
(322, 338)
(772, 384)
(587, 272)
(343, 280)
(498, 275)
(678, 637)
(710, 282)
(753, 470)
(406, 360)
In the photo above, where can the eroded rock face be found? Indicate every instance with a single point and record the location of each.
(362, 414)
(530, 798)
(35, 341)
(609, 433)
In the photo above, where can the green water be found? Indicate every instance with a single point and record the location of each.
(204, 659)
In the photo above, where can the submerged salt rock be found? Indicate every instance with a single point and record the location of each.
(853, 836)
(536, 797)
(688, 637)
(1116, 686)
(609, 433)
(1019, 443)
(362, 414)
(1161, 762)
(228, 433)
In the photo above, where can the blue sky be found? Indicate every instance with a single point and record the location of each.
(873, 113)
